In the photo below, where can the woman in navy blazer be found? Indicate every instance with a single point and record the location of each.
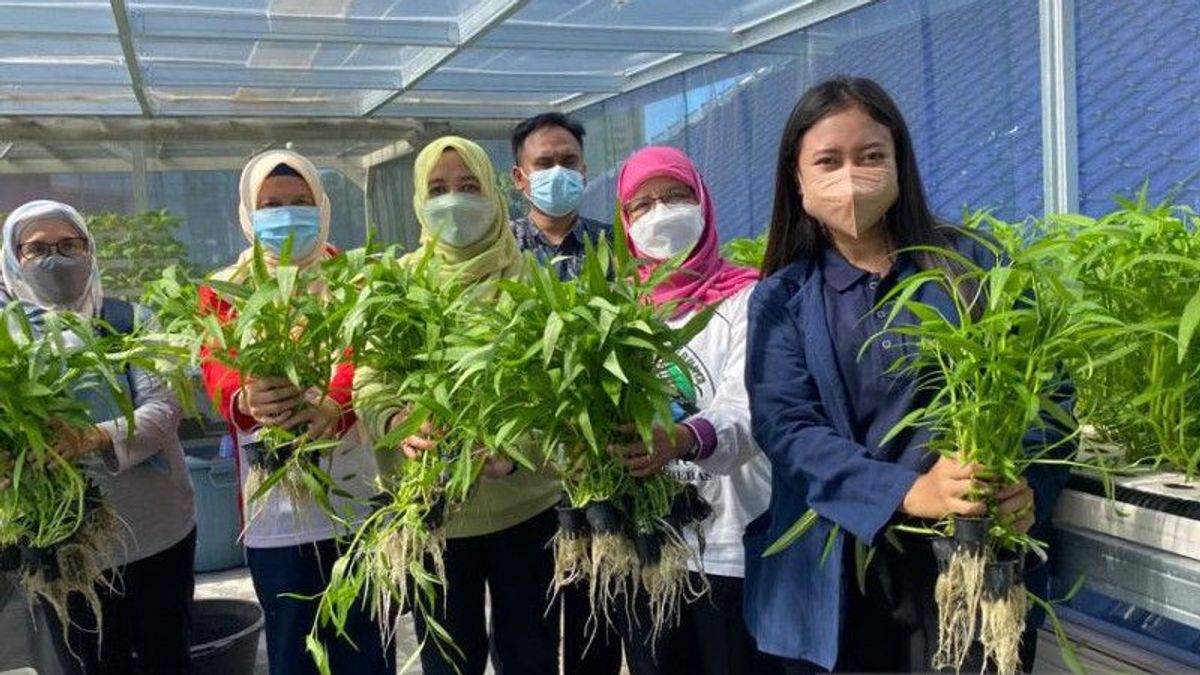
(849, 206)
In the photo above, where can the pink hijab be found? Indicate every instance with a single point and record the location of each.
(705, 278)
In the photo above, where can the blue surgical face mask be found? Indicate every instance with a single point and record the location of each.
(556, 191)
(273, 225)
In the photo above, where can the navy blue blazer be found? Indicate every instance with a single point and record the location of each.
(801, 420)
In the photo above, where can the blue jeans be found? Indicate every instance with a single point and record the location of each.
(304, 571)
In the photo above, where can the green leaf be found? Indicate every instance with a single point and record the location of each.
(1187, 324)
(797, 530)
(554, 326)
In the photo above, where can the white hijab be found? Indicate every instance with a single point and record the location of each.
(253, 175)
(16, 288)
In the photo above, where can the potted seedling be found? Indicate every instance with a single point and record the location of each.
(995, 378)
(280, 323)
(583, 373)
(59, 530)
(413, 329)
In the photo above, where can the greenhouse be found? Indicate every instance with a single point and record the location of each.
(599, 336)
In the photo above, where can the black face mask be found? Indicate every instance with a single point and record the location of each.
(56, 279)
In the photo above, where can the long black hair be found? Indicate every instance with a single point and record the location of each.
(794, 234)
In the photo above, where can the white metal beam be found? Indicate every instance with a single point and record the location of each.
(131, 60)
(116, 165)
(1060, 151)
(175, 74)
(482, 18)
(195, 23)
(182, 129)
(748, 36)
(516, 34)
(5, 149)
(456, 79)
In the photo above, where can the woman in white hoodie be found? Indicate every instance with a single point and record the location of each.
(666, 211)
(50, 266)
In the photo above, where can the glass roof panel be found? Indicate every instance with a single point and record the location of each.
(350, 57)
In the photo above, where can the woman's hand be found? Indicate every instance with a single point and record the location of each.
(643, 462)
(317, 417)
(71, 443)
(1017, 502)
(498, 466)
(419, 443)
(271, 401)
(943, 491)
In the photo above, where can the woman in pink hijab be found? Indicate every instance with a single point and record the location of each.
(667, 212)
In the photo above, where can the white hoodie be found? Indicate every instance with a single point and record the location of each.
(736, 478)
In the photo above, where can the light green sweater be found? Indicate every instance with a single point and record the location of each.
(495, 504)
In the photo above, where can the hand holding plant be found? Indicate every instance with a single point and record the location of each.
(643, 460)
(944, 490)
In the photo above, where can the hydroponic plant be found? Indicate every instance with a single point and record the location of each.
(997, 379)
(580, 364)
(284, 323)
(416, 330)
(50, 511)
(1141, 265)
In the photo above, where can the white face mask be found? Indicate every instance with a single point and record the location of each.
(668, 230)
(459, 219)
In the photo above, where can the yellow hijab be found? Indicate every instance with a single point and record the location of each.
(497, 254)
(253, 175)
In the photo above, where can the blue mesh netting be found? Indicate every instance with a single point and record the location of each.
(1138, 101)
(964, 73)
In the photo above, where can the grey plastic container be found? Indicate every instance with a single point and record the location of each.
(218, 523)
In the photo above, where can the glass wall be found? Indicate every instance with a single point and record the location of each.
(205, 201)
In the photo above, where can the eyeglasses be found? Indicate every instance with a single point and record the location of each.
(72, 247)
(642, 205)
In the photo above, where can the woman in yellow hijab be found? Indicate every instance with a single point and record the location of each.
(498, 542)
(458, 203)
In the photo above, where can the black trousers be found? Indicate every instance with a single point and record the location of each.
(892, 627)
(589, 648)
(514, 568)
(304, 571)
(146, 619)
(710, 638)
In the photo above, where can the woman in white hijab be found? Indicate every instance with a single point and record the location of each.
(50, 266)
(291, 546)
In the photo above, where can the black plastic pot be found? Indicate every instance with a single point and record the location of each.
(649, 548)
(943, 551)
(10, 559)
(267, 460)
(40, 559)
(603, 518)
(998, 578)
(436, 516)
(572, 523)
(688, 507)
(971, 533)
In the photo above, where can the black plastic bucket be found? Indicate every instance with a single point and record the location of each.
(225, 636)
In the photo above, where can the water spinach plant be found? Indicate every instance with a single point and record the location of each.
(581, 366)
(55, 523)
(1141, 265)
(280, 322)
